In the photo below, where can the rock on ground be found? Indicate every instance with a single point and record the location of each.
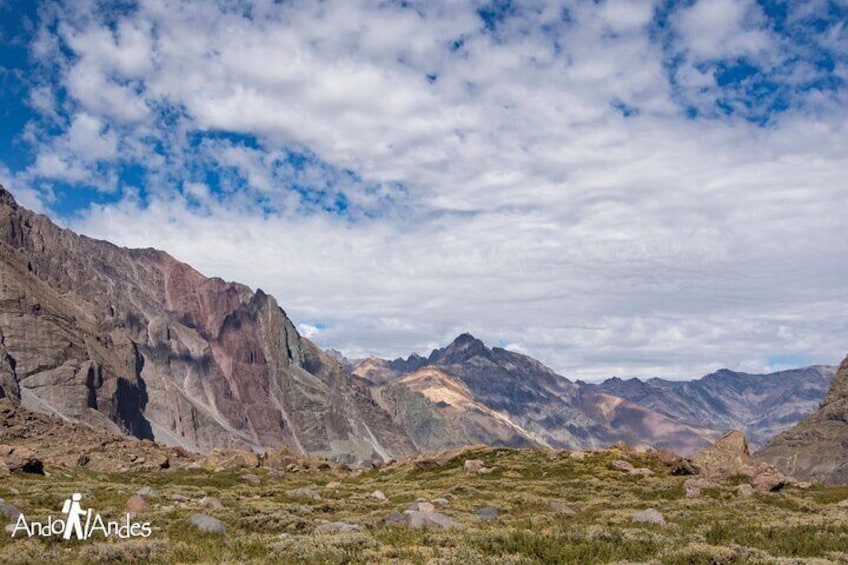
(206, 523)
(649, 516)
(304, 492)
(136, 504)
(335, 527)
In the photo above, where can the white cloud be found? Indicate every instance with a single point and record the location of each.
(540, 187)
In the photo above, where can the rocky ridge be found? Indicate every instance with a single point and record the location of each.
(816, 449)
(135, 342)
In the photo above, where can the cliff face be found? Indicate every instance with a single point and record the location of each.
(817, 447)
(139, 342)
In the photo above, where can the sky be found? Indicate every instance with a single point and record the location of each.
(621, 187)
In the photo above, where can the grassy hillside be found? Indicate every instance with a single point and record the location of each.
(553, 509)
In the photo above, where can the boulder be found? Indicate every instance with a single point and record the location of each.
(9, 511)
(473, 465)
(429, 521)
(21, 459)
(692, 487)
(136, 504)
(304, 492)
(212, 502)
(488, 513)
(560, 507)
(222, 458)
(336, 527)
(206, 523)
(649, 516)
(149, 492)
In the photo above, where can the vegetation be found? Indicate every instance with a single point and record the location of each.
(553, 509)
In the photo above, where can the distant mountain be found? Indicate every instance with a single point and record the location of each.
(499, 397)
(761, 406)
(817, 447)
(134, 341)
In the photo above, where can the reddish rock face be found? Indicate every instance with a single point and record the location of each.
(137, 342)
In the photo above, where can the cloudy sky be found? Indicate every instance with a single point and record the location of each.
(616, 187)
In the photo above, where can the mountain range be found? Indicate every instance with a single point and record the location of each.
(134, 341)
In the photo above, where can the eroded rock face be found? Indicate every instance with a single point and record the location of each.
(816, 449)
(134, 341)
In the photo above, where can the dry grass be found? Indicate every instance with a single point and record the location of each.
(265, 524)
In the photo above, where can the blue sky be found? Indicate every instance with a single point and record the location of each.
(629, 187)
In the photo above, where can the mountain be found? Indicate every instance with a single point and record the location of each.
(759, 405)
(498, 397)
(816, 448)
(132, 340)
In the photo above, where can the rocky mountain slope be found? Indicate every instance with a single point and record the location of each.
(468, 392)
(759, 405)
(817, 447)
(137, 342)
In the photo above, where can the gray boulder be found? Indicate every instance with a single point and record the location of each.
(649, 516)
(206, 523)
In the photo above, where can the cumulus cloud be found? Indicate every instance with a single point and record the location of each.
(593, 184)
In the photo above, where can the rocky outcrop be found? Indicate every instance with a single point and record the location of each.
(816, 449)
(729, 457)
(133, 341)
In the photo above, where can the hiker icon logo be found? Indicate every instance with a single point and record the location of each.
(81, 524)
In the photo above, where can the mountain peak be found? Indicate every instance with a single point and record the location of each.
(461, 349)
(6, 198)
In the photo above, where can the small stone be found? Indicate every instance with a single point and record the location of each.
(693, 487)
(488, 513)
(429, 521)
(252, 479)
(745, 491)
(378, 495)
(577, 455)
(178, 498)
(304, 493)
(843, 503)
(333, 485)
(147, 491)
(136, 504)
(335, 527)
(473, 465)
(622, 465)
(10, 511)
(649, 516)
(560, 507)
(212, 502)
(206, 523)
(395, 519)
(440, 501)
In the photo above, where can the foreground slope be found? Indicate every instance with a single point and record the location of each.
(135, 341)
(817, 447)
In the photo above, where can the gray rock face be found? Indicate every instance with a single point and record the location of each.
(137, 342)
(206, 523)
(816, 449)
